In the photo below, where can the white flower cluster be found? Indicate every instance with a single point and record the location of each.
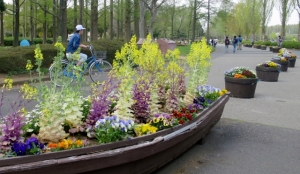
(204, 89)
(115, 123)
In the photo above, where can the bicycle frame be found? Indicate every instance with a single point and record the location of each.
(90, 60)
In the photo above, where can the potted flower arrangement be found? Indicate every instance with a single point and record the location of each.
(258, 46)
(292, 60)
(283, 61)
(241, 82)
(268, 71)
(263, 47)
(275, 49)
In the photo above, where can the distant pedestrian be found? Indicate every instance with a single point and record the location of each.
(234, 43)
(227, 42)
(240, 39)
(253, 40)
(212, 42)
(279, 41)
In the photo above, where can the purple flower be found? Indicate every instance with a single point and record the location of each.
(19, 148)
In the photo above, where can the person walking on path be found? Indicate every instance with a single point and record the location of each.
(240, 39)
(227, 42)
(279, 41)
(234, 43)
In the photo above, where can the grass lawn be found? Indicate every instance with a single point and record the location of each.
(184, 50)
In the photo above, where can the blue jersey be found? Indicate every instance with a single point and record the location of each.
(73, 43)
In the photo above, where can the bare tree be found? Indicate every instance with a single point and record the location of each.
(267, 7)
(297, 7)
(153, 6)
(136, 17)
(142, 20)
(2, 9)
(94, 20)
(111, 34)
(285, 8)
(127, 20)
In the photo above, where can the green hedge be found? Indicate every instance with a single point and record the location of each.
(291, 44)
(8, 41)
(15, 58)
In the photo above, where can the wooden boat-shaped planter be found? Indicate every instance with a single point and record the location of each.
(139, 155)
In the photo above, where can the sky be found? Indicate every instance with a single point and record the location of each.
(275, 19)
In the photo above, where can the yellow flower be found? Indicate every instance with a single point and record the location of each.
(29, 66)
(79, 143)
(28, 91)
(59, 46)
(24, 111)
(38, 53)
(8, 83)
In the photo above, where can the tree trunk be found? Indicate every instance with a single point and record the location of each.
(208, 21)
(75, 13)
(2, 31)
(136, 17)
(111, 33)
(63, 20)
(194, 21)
(118, 19)
(104, 26)
(81, 6)
(45, 25)
(283, 20)
(122, 20)
(94, 20)
(142, 20)
(298, 28)
(17, 23)
(127, 20)
(263, 25)
(54, 21)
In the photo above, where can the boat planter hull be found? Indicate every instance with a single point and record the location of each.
(267, 74)
(241, 88)
(292, 62)
(139, 155)
(284, 65)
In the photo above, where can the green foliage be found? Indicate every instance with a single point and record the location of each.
(85, 109)
(14, 59)
(8, 41)
(106, 133)
(184, 50)
(291, 44)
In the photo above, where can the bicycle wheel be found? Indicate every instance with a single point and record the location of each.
(61, 74)
(99, 70)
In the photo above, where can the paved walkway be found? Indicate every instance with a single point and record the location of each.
(254, 136)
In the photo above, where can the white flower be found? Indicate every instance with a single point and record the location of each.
(29, 130)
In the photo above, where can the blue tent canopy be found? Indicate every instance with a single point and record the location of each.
(24, 43)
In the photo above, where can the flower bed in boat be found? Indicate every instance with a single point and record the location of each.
(129, 108)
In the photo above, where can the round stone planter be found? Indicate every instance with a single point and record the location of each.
(258, 47)
(241, 88)
(284, 65)
(292, 62)
(275, 50)
(271, 49)
(263, 48)
(267, 74)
